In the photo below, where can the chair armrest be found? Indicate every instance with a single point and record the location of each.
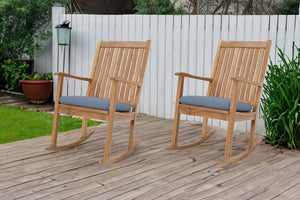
(193, 76)
(72, 76)
(237, 78)
(125, 81)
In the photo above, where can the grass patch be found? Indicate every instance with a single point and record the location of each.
(18, 124)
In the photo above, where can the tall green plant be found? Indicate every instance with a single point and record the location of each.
(281, 101)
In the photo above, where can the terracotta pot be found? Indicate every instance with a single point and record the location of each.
(37, 92)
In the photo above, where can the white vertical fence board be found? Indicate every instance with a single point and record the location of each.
(192, 57)
(73, 52)
(273, 37)
(184, 64)
(85, 62)
(264, 27)
(169, 68)
(176, 57)
(79, 52)
(232, 27)
(256, 28)
(99, 27)
(153, 64)
(281, 28)
(139, 37)
(125, 25)
(146, 84)
(161, 66)
(240, 37)
(92, 42)
(208, 57)
(289, 35)
(111, 27)
(240, 29)
(178, 43)
(118, 28)
(105, 27)
(132, 28)
(297, 31)
(200, 57)
(217, 19)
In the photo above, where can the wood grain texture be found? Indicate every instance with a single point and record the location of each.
(30, 172)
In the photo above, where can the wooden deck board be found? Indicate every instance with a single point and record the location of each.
(27, 171)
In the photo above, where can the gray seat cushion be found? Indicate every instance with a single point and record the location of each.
(93, 102)
(214, 102)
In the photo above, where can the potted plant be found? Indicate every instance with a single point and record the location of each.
(37, 89)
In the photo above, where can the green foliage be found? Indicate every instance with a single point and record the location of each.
(13, 72)
(288, 7)
(36, 76)
(281, 101)
(17, 124)
(158, 7)
(23, 26)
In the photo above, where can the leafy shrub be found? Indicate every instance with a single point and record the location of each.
(281, 101)
(158, 7)
(23, 26)
(13, 72)
(288, 7)
(37, 77)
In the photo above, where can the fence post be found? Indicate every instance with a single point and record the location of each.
(57, 10)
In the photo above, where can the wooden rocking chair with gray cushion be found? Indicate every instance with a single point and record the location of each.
(113, 93)
(233, 93)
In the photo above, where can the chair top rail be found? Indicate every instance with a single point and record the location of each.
(244, 44)
(124, 44)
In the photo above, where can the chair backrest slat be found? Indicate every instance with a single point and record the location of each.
(244, 59)
(126, 72)
(127, 60)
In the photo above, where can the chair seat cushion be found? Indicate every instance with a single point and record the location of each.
(93, 102)
(214, 102)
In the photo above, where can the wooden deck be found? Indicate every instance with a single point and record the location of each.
(27, 171)
(19, 100)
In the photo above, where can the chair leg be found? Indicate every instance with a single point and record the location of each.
(175, 130)
(175, 146)
(252, 144)
(107, 149)
(204, 127)
(54, 129)
(83, 127)
(53, 145)
(131, 145)
(229, 137)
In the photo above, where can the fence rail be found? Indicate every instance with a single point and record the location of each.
(184, 43)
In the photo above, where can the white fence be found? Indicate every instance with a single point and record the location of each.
(184, 43)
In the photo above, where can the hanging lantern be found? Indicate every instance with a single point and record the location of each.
(63, 33)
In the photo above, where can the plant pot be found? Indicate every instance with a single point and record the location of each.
(37, 92)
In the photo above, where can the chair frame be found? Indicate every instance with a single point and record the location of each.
(111, 115)
(232, 115)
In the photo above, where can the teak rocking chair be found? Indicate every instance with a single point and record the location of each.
(233, 93)
(113, 93)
